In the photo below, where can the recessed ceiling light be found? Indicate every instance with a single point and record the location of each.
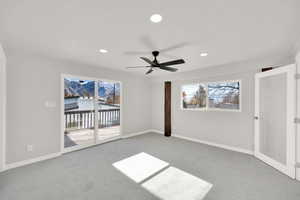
(103, 51)
(203, 54)
(156, 18)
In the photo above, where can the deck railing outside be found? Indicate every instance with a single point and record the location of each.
(85, 119)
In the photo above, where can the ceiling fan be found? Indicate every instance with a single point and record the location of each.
(155, 64)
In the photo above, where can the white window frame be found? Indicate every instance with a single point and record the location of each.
(62, 125)
(192, 109)
(207, 108)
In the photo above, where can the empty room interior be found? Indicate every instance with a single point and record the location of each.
(150, 100)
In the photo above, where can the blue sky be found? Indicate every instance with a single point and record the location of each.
(77, 80)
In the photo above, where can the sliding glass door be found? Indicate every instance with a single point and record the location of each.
(91, 111)
(108, 102)
(79, 112)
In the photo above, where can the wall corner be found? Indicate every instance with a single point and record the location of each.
(297, 60)
(2, 108)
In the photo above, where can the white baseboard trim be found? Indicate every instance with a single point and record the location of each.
(236, 149)
(156, 131)
(54, 155)
(240, 150)
(30, 161)
(135, 134)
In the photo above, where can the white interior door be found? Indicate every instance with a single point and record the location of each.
(274, 118)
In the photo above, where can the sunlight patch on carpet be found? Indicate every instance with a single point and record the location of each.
(175, 184)
(140, 166)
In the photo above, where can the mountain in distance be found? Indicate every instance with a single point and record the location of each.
(108, 89)
(69, 91)
(74, 87)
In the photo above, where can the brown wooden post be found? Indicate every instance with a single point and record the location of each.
(168, 108)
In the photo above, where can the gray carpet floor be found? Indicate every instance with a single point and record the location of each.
(88, 174)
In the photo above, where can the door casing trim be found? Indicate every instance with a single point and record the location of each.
(289, 169)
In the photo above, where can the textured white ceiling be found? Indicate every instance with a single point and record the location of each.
(229, 31)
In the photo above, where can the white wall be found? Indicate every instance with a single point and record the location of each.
(2, 105)
(33, 80)
(233, 129)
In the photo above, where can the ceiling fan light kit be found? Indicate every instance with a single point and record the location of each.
(156, 18)
(155, 64)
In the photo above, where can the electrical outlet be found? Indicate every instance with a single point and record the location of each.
(29, 147)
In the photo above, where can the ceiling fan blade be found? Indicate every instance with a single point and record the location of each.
(137, 52)
(149, 71)
(177, 46)
(171, 69)
(137, 67)
(173, 62)
(148, 42)
(148, 60)
(167, 55)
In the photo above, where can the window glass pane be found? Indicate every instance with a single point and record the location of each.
(193, 96)
(108, 103)
(79, 112)
(224, 95)
(109, 93)
(272, 125)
